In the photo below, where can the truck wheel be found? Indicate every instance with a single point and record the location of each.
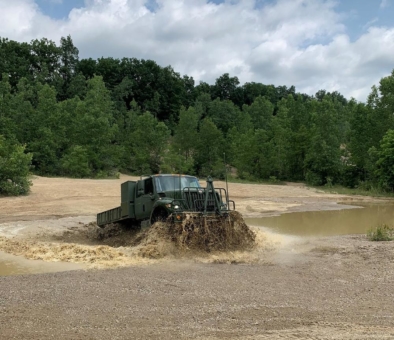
(159, 215)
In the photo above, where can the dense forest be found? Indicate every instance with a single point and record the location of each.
(65, 116)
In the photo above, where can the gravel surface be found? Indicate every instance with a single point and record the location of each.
(332, 288)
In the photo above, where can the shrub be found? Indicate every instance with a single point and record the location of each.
(76, 162)
(273, 179)
(14, 169)
(382, 232)
(313, 178)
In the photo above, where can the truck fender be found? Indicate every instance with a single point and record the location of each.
(160, 211)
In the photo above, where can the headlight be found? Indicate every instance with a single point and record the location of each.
(171, 205)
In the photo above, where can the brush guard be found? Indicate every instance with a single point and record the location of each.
(208, 202)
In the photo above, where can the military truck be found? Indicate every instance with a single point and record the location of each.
(157, 197)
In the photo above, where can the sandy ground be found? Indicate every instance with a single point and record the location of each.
(285, 288)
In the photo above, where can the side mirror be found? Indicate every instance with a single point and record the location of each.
(140, 188)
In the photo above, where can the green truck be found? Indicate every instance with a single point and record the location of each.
(155, 198)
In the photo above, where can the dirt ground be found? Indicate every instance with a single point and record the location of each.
(285, 288)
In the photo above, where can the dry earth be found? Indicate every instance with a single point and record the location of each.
(286, 288)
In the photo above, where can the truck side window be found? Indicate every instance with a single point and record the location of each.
(148, 186)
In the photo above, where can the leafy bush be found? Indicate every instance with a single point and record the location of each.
(273, 179)
(101, 174)
(174, 163)
(313, 178)
(382, 232)
(328, 182)
(76, 162)
(14, 169)
(350, 176)
(219, 170)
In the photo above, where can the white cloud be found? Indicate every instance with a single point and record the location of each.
(21, 20)
(370, 23)
(384, 4)
(290, 42)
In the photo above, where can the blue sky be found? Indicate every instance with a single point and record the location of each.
(345, 46)
(361, 14)
(59, 9)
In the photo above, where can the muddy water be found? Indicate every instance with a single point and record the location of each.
(16, 265)
(319, 223)
(328, 223)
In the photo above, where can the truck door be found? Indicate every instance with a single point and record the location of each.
(145, 199)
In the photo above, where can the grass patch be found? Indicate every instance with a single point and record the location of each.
(271, 180)
(382, 232)
(337, 189)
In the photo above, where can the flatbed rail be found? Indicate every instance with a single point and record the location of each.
(109, 216)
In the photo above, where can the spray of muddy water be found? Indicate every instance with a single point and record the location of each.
(219, 241)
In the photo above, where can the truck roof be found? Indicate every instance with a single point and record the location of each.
(178, 175)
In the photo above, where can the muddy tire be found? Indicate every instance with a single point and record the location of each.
(159, 215)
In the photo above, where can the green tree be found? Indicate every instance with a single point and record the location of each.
(300, 125)
(15, 60)
(253, 90)
(20, 113)
(87, 67)
(189, 93)
(323, 159)
(209, 150)
(253, 155)
(385, 162)
(77, 87)
(48, 136)
(75, 162)
(180, 156)
(261, 113)
(361, 137)
(45, 60)
(94, 127)
(6, 123)
(68, 65)
(147, 144)
(281, 137)
(185, 135)
(224, 114)
(225, 87)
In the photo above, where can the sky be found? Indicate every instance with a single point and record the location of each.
(335, 45)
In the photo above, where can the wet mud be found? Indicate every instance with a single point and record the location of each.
(223, 240)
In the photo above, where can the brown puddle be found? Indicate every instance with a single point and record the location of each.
(328, 223)
(17, 265)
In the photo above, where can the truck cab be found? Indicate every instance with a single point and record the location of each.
(158, 195)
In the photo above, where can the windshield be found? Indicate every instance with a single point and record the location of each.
(171, 183)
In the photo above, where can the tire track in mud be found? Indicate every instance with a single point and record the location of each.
(326, 330)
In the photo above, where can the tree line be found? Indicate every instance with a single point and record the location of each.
(65, 116)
